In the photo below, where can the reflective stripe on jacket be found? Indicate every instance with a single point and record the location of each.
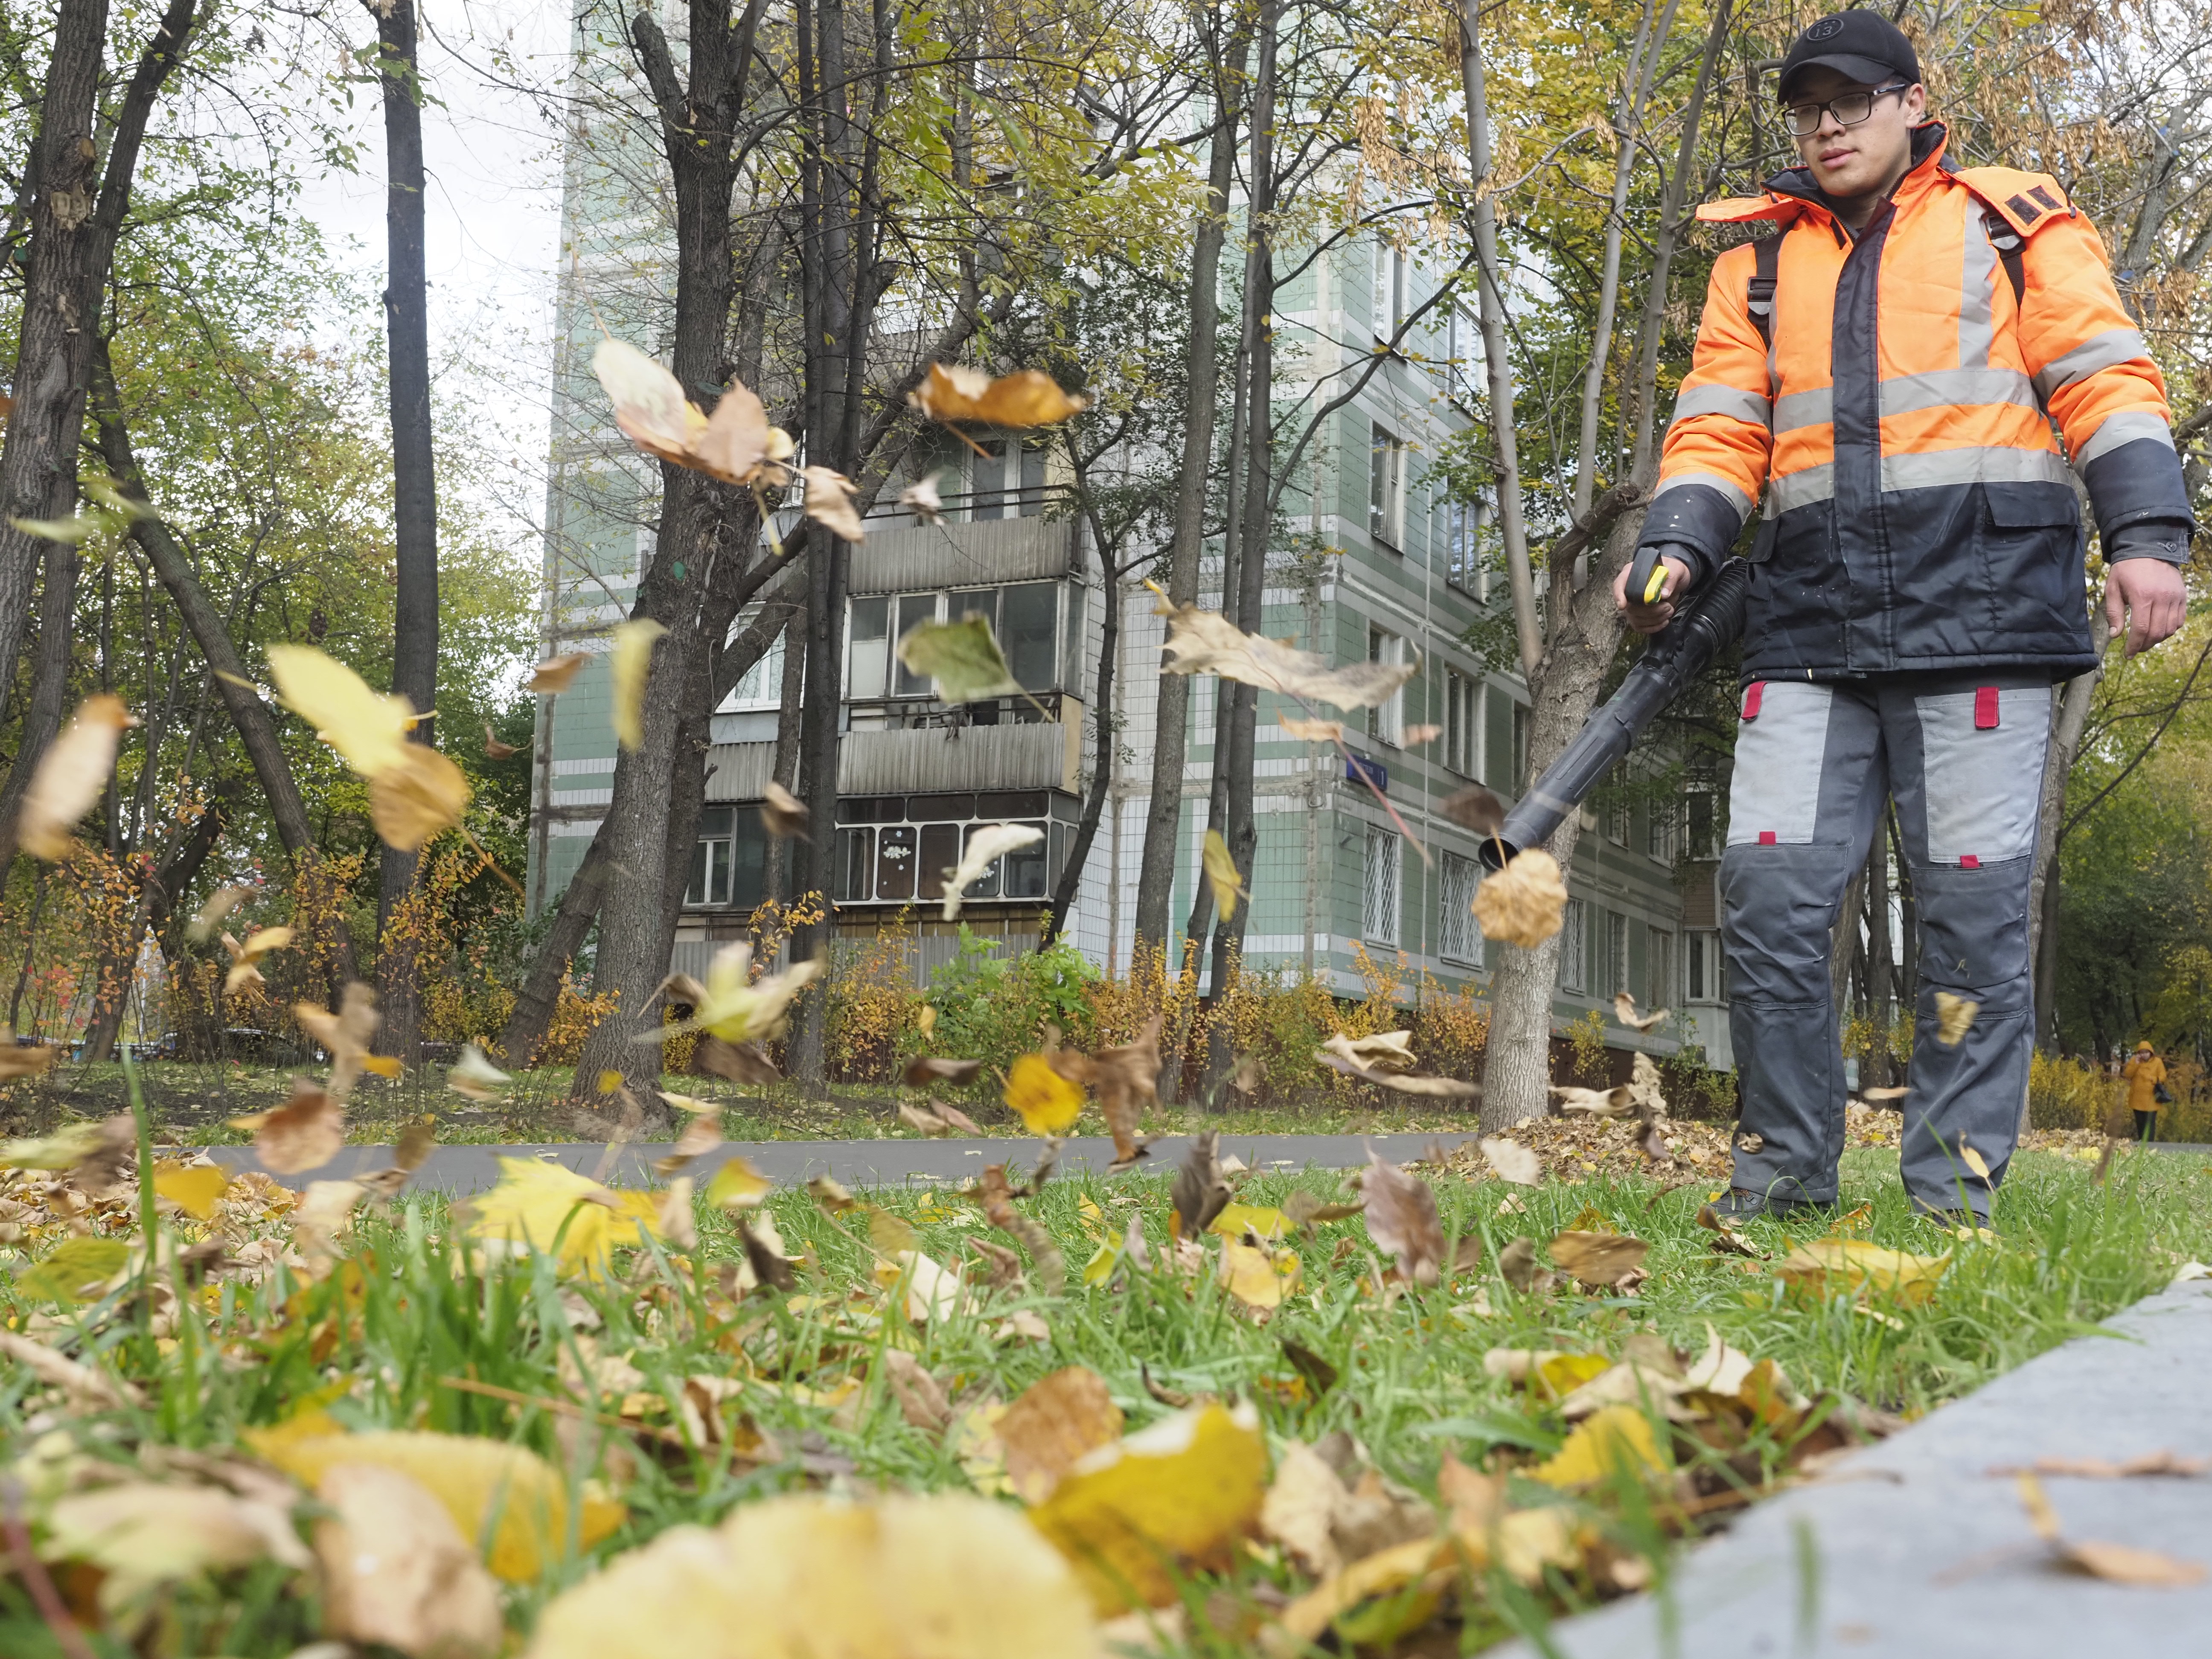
(1919, 513)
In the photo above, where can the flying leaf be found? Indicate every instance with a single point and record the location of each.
(70, 777)
(1599, 1103)
(1624, 1010)
(1054, 1425)
(1183, 1492)
(24, 1060)
(629, 663)
(985, 848)
(220, 904)
(1475, 808)
(1975, 1162)
(1047, 1103)
(1599, 1259)
(1512, 1161)
(556, 674)
(1126, 1079)
(920, 498)
(735, 1007)
(782, 814)
(1404, 1083)
(698, 1137)
(305, 1133)
(926, 1069)
(954, 1116)
(192, 1188)
(396, 1570)
(1882, 1097)
(67, 1147)
(997, 1199)
(1617, 1439)
(493, 749)
(346, 1033)
(1312, 731)
(1206, 642)
(740, 1062)
(414, 800)
(368, 728)
(831, 1195)
(1307, 1209)
(1026, 397)
(488, 1487)
(1381, 1051)
(1402, 1219)
(737, 445)
(1954, 1016)
(808, 1574)
(475, 1076)
(534, 1201)
(1522, 903)
(1200, 1192)
(829, 503)
(245, 958)
(922, 1118)
(1221, 874)
(962, 657)
(738, 1185)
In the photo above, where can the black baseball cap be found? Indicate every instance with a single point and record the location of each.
(1864, 44)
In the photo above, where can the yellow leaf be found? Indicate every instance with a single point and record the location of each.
(1619, 1438)
(1100, 1268)
(368, 728)
(737, 1184)
(811, 1577)
(610, 1080)
(70, 776)
(413, 800)
(1864, 1267)
(305, 1133)
(1221, 874)
(1236, 1219)
(192, 1188)
(1049, 1102)
(1523, 903)
(1027, 397)
(1056, 1422)
(534, 1201)
(479, 1481)
(1954, 1017)
(140, 1534)
(383, 1065)
(396, 1570)
(1183, 1492)
(628, 663)
(737, 1007)
(1254, 1277)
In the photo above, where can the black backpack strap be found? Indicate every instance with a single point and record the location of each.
(1759, 292)
(2010, 245)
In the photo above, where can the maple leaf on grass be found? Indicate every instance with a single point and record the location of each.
(962, 658)
(70, 777)
(1522, 903)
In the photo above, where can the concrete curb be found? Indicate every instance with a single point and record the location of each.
(1911, 1548)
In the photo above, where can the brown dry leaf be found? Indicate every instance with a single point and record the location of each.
(210, 916)
(1183, 1494)
(1955, 1016)
(1221, 874)
(922, 1401)
(1402, 1219)
(1882, 1097)
(700, 1135)
(1518, 1263)
(1512, 1161)
(70, 776)
(923, 1118)
(346, 1033)
(1026, 397)
(1306, 1210)
(1300, 1509)
(830, 1196)
(1380, 1051)
(2101, 1468)
(1599, 1259)
(1206, 642)
(396, 1570)
(1624, 1010)
(413, 800)
(782, 814)
(1312, 731)
(926, 1069)
(829, 503)
(1599, 1102)
(1522, 903)
(1421, 1082)
(305, 1133)
(1055, 1423)
(1727, 1240)
(628, 664)
(1200, 1191)
(1475, 808)
(2119, 1563)
(1127, 1078)
(493, 749)
(997, 1199)
(324, 1212)
(1251, 1071)
(556, 674)
(737, 445)
(24, 1061)
(956, 1118)
(740, 1062)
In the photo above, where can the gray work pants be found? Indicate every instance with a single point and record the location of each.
(1963, 754)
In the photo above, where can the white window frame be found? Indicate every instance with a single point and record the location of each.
(1463, 724)
(1659, 830)
(1658, 968)
(1459, 938)
(1386, 721)
(1616, 954)
(1386, 478)
(1381, 900)
(1704, 977)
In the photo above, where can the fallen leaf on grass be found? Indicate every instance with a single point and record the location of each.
(1323, 1522)
(933, 1293)
(1182, 1493)
(1055, 1423)
(479, 1482)
(1402, 1219)
(1026, 397)
(192, 1188)
(396, 1570)
(2119, 1563)
(1599, 1259)
(535, 1204)
(142, 1533)
(1617, 1439)
(1258, 1277)
(1206, 643)
(1726, 1239)
(1522, 903)
(1047, 1103)
(830, 1195)
(962, 657)
(806, 1575)
(70, 776)
(920, 1399)
(1863, 1267)
(986, 846)
(926, 1069)
(307, 1132)
(1511, 1160)
(1954, 1016)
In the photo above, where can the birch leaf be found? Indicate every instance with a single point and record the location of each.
(629, 663)
(1221, 875)
(961, 657)
(829, 503)
(70, 777)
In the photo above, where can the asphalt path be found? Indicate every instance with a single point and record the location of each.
(462, 1169)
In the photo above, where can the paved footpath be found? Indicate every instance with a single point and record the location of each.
(858, 1163)
(1912, 1550)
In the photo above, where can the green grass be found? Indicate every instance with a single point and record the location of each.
(378, 1337)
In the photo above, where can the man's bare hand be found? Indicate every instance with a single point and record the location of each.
(1650, 618)
(2147, 596)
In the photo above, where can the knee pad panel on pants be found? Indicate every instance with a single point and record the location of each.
(1973, 929)
(1777, 909)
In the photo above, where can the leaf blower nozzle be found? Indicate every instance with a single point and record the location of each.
(1708, 625)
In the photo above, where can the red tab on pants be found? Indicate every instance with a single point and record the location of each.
(1985, 708)
(1752, 694)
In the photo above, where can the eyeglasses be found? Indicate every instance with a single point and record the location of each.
(1803, 120)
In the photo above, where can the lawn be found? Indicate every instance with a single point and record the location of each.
(1314, 1455)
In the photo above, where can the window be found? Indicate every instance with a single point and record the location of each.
(1705, 983)
(1616, 955)
(1463, 355)
(1007, 486)
(914, 609)
(1024, 618)
(1379, 919)
(1574, 947)
(1389, 289)
(1386, 464)
(1702, 808)
(1026, 630)
(1458, 938)
(762, 687)
(1458, 532)
(897, 848)
(1658, 969)
(1387, 720)
(1659, 830)
(1462, 725)
(868, 658)
(1620, 814)
(729, 858)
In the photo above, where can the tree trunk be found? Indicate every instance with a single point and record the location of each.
(1156, 866)
(413, 489)
(775, 876)
(76, 213)
(255, 727)
(531, 1017)
(2070, 708)
(1104, 724)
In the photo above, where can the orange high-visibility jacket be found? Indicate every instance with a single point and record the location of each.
(1919, 512)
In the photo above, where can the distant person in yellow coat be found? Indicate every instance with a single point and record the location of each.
(2145, 1077)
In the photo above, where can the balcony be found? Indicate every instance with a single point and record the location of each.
(903, 558)
(1041, 754)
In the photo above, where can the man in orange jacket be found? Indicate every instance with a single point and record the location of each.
(1884, 363)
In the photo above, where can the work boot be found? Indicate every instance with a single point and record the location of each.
(1741, 1204)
